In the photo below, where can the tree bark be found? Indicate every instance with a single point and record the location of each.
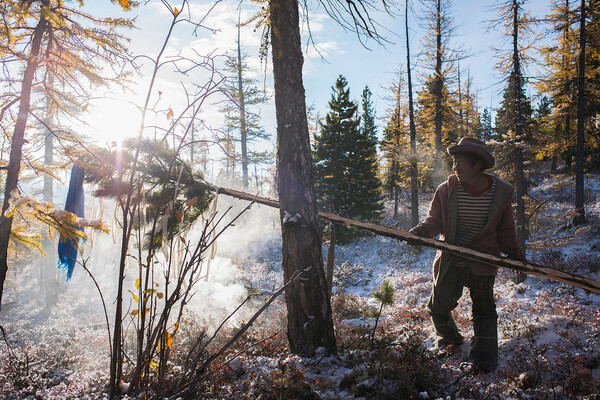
(396, 163)
(49, 278)
(310, 323)
(414, 188)
(438, 173)
(18, 139)
(521, 184)
(579, 182)
(330, 260)
(242, 100)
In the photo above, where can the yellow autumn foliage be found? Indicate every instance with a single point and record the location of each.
(29, 209)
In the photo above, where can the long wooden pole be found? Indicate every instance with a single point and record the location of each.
(527, 268)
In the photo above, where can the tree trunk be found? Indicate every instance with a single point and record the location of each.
(310, 324)
(461, 120)
(18, 139)
(413, 134)
(396, 163)
(579, 183)
(468, 129)
(438, 173)
(396, 193)
(49, 278)
(243, 128)
(330, 259)
(518, 151)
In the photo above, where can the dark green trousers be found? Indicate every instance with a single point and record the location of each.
(444, 298)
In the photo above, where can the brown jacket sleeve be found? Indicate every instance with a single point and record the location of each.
(433, 225)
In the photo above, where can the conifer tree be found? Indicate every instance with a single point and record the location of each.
(571, 80)
(487, 130)
(345, 158)
(514, 116)
(329, 155)
(506, 113)
(49, 38)
(395, 146)
(242, 117)
(558, 81)
(468, 114)
(414, 167)
(310, 324)
(366, 194)
(437, 112)
(396, 153)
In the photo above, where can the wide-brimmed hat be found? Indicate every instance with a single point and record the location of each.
(474, 146)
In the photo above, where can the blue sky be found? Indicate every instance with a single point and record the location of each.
(341, 53)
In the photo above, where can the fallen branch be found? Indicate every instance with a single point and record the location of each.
(527, 268)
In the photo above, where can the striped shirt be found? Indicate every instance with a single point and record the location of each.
(472, 214)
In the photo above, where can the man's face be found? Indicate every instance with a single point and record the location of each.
(464, 169)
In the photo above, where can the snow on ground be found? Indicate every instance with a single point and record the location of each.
(543, 326)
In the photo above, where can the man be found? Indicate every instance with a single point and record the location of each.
(474, 210)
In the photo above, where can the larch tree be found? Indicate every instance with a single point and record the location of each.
(242, 115)
(468, 112)
(514, 115)
(414, 168)
(571, 80)
(437, 108)
(581, 115)
(51, 40)
(395, 146)
(559, 83)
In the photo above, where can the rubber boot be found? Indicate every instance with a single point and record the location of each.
(447, 332)
(484, 345)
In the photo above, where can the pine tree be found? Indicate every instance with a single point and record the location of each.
(329, 155)
(345, 158)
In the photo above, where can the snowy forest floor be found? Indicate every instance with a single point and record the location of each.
(549, 333)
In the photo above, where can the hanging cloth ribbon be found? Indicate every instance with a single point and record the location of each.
(75, 203)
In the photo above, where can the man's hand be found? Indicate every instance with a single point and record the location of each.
(418, 232)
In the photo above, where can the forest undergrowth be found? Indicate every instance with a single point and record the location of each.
(549, 332)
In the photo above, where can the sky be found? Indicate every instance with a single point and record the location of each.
(340, 52)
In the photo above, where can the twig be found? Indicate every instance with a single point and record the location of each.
(6, 341)
(246, 326)
(101, 298)
(202, 369)
(236, 355)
